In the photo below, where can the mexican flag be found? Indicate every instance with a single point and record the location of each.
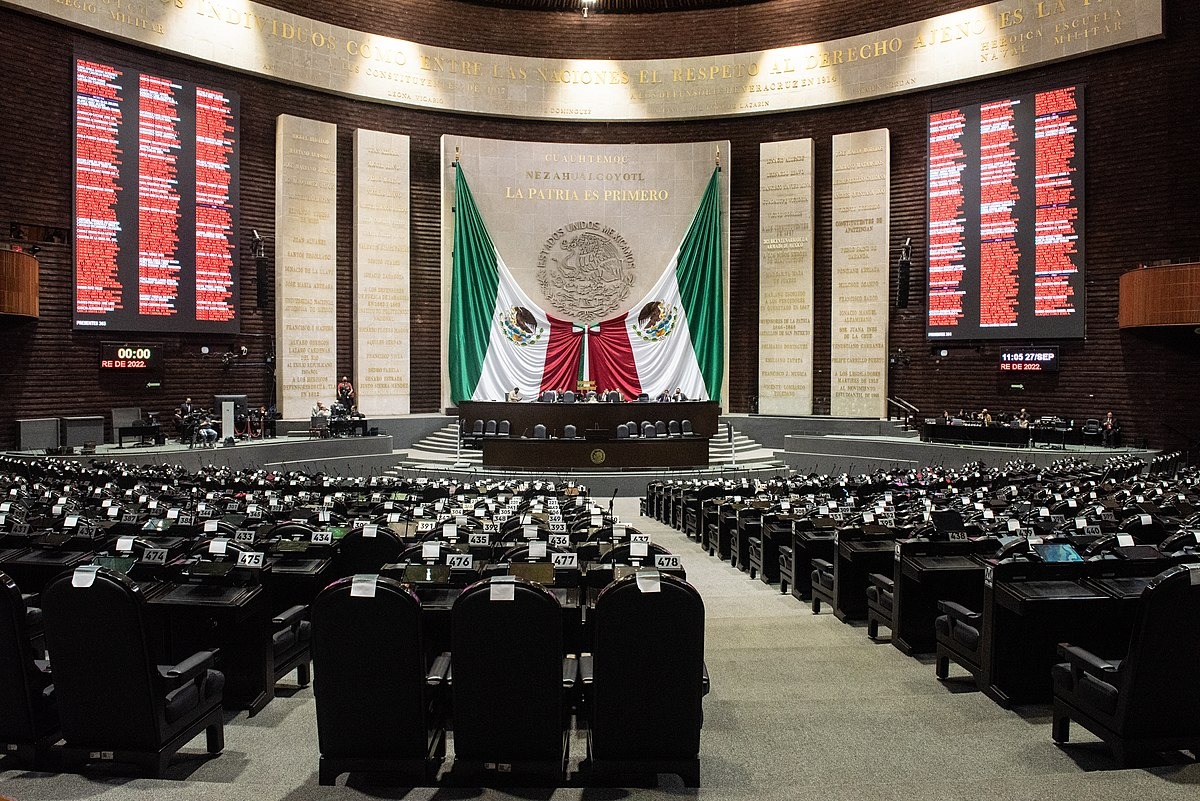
(672, 338)
(499, 338)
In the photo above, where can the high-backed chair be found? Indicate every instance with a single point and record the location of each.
(622, 554)
(1146, 701)
(115, 702)
(568, 396)
(291, 640)
(686, 428)
(358, 553)
(622, 431)
(958, 631)
(489, 428)
(539, 431)
(648, 429)
(569, 431)
(28, 715)
(673, 428)
(511, 685)
(504, 428)
(378, 711)
(660, 428)
(645, 680)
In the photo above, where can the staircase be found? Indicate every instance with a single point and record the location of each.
(440, 449)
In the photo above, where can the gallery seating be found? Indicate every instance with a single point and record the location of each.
(115, 703)
(379, 710)
(1145, 701)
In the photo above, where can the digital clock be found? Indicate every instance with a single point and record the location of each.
(1042, 359)
(134, 359)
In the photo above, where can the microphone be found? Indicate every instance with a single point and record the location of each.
(254, 233)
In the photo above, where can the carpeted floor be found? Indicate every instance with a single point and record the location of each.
(801, 707)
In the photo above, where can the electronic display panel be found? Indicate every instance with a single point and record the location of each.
(156, 202)
(1031, 359)
(1005, 215)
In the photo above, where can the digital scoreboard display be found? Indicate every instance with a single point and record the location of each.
(156, 198)
(131, 359)
(1005, 211)
(1029, 360)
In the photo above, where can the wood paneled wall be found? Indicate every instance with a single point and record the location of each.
(1142, 177)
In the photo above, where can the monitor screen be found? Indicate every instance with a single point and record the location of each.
(156, 202)
(1057, 552)
(1005, 216)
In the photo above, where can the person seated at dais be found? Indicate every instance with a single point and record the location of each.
(514, 396)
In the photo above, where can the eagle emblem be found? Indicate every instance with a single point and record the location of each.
(656, 321)
(520, 326)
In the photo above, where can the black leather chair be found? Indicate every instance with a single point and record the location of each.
(512, 688)
(378, 710)
(881, 603)
(958, 631)
(1145, 702)
(569, 431)
(291, 641)
(645, 679)
(28, 714)
(504, 429)
(358, 553)
(822, 585)
(539, 431)
(115, 702)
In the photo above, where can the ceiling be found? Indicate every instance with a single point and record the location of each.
(613, 6)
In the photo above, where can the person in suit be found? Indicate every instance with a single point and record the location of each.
(1109, 429)
(185, 408)
(679, 396)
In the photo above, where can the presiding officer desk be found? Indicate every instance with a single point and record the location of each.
(595, 443)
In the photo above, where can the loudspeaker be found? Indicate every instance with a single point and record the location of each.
(263, 286)
(903, 276)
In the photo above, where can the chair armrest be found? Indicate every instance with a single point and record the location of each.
(439, 671)
(291, 616)
(960, 613)
(587, 669)
(31, 599)
(43, 666)
(570, 673)
(705, 682)
(823, 565)
(1085, 661)
(189, 668)
(882, 582)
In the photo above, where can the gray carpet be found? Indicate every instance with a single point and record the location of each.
(801, 707)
